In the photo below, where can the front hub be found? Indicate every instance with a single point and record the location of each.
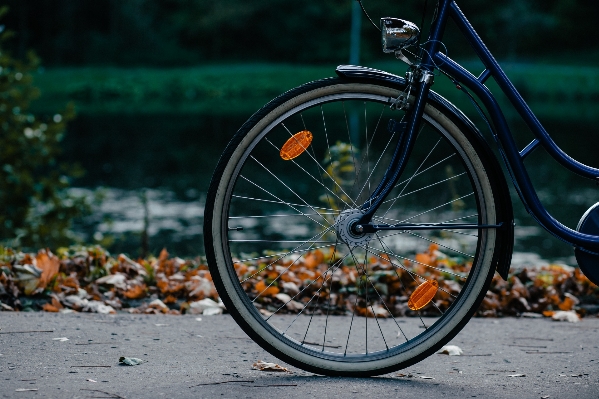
(345, 228)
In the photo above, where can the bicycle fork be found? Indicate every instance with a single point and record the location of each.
(409, 131)
(408, 135)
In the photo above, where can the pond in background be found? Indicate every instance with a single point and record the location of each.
(168, 159)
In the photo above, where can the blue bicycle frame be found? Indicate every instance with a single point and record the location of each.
(513, 158)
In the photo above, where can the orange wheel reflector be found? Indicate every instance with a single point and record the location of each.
(296, 144)
(423, 294)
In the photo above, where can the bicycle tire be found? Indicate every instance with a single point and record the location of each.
(230, 198)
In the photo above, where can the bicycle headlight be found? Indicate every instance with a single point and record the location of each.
(398, 34)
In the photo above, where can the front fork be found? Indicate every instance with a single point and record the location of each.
(422, 79)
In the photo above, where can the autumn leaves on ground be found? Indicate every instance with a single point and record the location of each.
(89, 279)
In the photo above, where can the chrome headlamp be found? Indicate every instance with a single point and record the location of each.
(398, 34)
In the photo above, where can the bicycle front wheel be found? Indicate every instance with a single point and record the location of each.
(298, 281)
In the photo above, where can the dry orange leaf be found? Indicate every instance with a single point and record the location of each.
(425, 259)
(49, 308)
(313, 259)
(567, 304)
(296, 145)
(423, 294)
(135, 292)
(56, 303)
(49, 264)
(263, 291)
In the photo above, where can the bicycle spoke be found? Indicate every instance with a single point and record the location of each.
(390, 253)
(425, 187)
(320, 166)
(289, 252)
(308, 173)
(439, 244)
(280, 216)
(284, 202)
(281, 253)
(412, 177)
(434, 304)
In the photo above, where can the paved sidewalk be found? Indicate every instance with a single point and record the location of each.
(181, 352)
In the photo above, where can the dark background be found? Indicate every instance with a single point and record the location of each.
(188, 32)
(160, 87)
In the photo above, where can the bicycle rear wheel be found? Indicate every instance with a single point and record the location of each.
(279, 250)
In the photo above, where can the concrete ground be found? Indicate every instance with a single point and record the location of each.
(558, 360)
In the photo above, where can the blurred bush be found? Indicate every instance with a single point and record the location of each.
(36, 208)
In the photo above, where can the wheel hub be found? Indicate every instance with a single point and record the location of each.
(343, 227)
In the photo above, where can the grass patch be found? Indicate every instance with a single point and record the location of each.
(551, 90)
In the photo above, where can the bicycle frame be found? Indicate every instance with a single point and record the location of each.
(513, 158)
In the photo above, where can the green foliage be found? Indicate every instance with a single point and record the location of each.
(36, 207)
(340, 164)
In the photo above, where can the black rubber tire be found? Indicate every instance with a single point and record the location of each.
(249, 318)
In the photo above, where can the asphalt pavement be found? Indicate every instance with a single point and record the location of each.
(210, 357)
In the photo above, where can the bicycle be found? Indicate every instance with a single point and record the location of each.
(413, 223)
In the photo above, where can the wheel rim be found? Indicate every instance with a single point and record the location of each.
(325, 181)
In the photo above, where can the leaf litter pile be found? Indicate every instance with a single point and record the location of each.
(89, 279)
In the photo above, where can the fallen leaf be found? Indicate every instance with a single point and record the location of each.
(451, 350)
(265, 366)
(569, 302)
(206, 304)
(130, 361)
(28, 277)
(263, 290)
(566, 315)
(212, 311)
(61, 339)
(517, 375)
(135, 292)
(118, 280)
(48, 307)
(49, 264)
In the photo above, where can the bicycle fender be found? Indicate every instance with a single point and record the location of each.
(502, 257)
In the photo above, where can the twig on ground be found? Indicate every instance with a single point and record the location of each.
(114, 395)
(486, 354)
(270, 385)
(221, 382)
(96, 343)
